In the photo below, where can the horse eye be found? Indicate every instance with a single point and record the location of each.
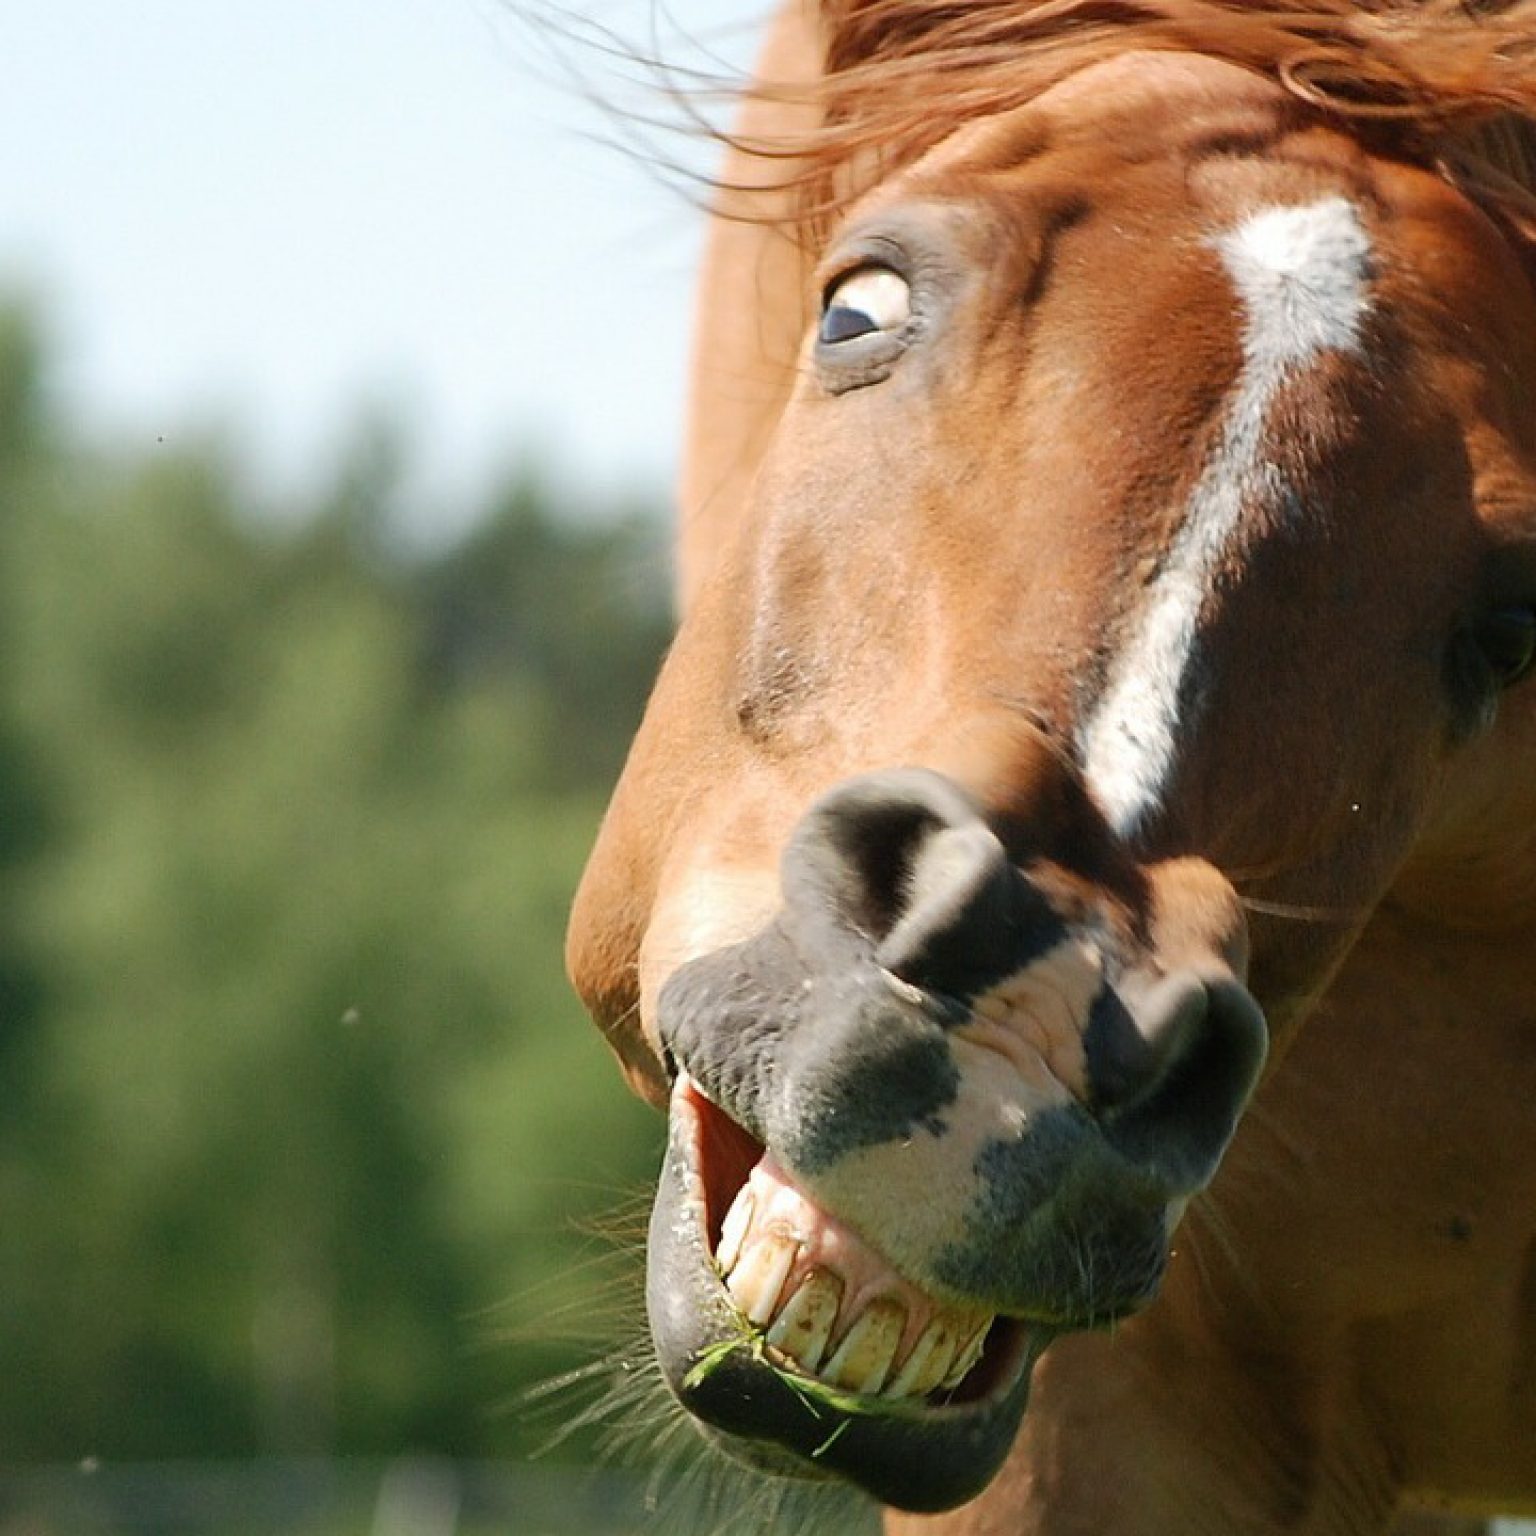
(867, 300)
(1506, 639)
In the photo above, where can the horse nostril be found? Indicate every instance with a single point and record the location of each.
(1138, 1030)
(904, 862)
(966, 921)
(853, 853)
(1173, 1087)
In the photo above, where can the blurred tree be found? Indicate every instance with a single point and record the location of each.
(570, 607)
(288, 828)
(24, 462)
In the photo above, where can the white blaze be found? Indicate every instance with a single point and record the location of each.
(1301, 273)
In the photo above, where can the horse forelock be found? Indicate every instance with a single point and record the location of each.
(1449, 81)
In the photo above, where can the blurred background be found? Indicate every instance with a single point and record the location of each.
(341, 369)
(341, 358)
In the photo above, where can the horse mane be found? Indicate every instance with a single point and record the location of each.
(1450, 81)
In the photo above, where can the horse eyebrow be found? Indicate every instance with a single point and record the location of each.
(1301, 273)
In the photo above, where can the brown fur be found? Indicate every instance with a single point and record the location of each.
(1348, 1330)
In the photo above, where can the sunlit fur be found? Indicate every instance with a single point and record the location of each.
(1238, 1401)
(1444, 64)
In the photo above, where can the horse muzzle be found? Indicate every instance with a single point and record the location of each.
(945, 1106)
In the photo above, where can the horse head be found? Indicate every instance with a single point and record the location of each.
(1144, 551)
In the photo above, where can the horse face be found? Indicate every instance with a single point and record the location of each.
(1151, 462)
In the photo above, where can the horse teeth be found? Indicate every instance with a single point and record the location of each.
(734, 1229)
(759, 1276)
(863, 1360)
(803, 1328)
(927, 1363)
(967, 1355)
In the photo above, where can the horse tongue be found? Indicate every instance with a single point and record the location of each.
(829, 1302)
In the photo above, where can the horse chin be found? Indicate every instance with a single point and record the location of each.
(923, 1453)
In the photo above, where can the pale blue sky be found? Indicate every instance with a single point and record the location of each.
(255, 214)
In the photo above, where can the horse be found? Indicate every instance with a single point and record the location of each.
(1073, 890)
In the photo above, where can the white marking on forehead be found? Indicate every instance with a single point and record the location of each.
(1301, 273)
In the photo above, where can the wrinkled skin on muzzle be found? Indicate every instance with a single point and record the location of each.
(960, 1085)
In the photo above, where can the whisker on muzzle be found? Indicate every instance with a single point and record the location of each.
(615, 1408)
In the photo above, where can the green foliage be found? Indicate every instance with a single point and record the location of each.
(294, 1100)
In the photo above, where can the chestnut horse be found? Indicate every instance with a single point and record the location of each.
(1074, 888)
